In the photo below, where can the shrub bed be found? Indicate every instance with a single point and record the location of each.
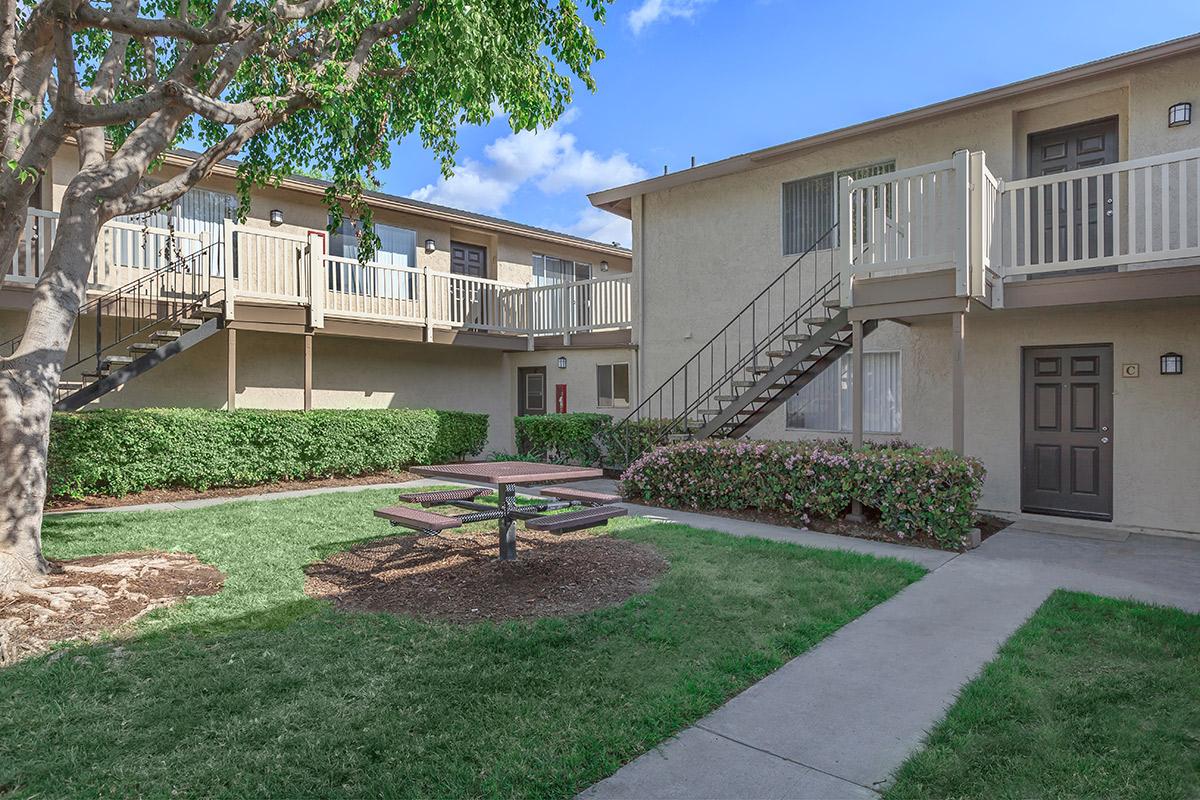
(916, 491)
(577, 438)
(118, 451)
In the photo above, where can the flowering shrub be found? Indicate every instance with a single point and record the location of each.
(916, 490)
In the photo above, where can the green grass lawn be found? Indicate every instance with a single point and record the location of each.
(1092, 698)
(261, 690)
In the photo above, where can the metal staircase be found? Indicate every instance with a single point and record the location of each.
(122, 334)
(788, 334)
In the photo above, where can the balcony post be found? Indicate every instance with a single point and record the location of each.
(845, 235)
(425, 304)
(529, 318)
(978, 245)
(227, 254)
(962, 230)
(565, 291)
(316, 280)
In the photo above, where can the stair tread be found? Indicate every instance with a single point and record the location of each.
(116, 360)
(168, 334)
(816, 320)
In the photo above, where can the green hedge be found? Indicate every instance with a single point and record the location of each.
(564, 438)
(117, 451)
(916, 490)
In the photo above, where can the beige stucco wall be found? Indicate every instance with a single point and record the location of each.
(1156, 438)
(579, 375)
(703, 250)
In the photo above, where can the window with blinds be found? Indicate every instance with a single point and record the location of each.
(810, 206)
(826, 404)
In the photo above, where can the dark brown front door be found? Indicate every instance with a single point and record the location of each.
(468, 259)
(1066, 442)
(1064, 150)
(531, 390)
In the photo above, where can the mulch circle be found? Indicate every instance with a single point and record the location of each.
(87, 597)
(457, 577)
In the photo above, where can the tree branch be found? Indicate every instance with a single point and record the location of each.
(168, 27)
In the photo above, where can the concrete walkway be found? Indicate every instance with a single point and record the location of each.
(838, 720)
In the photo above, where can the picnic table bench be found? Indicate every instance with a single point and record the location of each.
(506, 475)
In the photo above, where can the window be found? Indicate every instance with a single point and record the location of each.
(810, 206)
(548, 270)
(826, 404)
(612, 385)
(397, 248)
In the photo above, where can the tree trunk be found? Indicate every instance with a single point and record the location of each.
(28, 382)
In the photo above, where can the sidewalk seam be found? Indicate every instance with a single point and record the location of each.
(783, 758)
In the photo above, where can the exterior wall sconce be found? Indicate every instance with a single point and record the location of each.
(1179, 114)
(430, 245)
(604, 266)
(1171, 364)
(562, 362)
(276, 217)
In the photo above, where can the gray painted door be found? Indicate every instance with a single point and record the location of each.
(1067, 436)
(468, 259)
(531, 390)
(1064, 150)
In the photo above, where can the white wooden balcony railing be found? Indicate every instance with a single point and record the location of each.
(271, 266)
(956, 214)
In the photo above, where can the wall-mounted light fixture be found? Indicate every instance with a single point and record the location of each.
(1179, 114)
(1170, 364)
(604, 266)
(562, 362)
(430, 245)
(276, 217)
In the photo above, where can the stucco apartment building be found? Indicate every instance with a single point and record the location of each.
(455, 311)
(1014, 273)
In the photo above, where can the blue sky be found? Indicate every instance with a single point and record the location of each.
(713, 78)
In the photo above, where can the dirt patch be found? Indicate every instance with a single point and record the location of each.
(98, 594)
(458, 578)
(869, 528)
(176, 495)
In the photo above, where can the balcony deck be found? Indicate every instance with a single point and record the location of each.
(283, 281)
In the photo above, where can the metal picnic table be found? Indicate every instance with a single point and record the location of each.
(506, 476)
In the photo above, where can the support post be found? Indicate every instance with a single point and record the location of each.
(231, 371)
(565, 291)
(308, 370)
(858, 390)
(530, 318)
(958, 324)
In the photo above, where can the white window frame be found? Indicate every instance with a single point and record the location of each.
(841, 431)
(614, 402)
(575, 265)
(865, 170)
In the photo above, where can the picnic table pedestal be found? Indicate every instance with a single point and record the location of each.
(506, 476)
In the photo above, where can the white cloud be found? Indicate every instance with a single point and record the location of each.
(548, 159)
(651, 11)
(601, 226)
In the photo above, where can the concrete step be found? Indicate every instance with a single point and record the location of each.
(209, 312)
(142, 347)
(796, 338)
(778, 353)
(165, 336)
(832, 302)
(187, 323)
(815, 322)
(119, 361)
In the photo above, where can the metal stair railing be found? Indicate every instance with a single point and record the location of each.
(743, 343)
(165, 294)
